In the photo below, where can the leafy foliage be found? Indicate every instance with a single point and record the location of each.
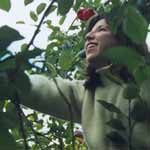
(117, 54)
(8, 35)
(64, 6)
(116, 138)
(28, 131)
(132, 25)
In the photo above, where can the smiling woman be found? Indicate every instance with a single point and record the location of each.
(89, 102)
(110, 103)
(97, 40)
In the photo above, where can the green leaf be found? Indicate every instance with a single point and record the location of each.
(30, 54)
(25, 55)
(144, 91)
(33, 16)
(20, 22)
(68, 134)
(116, 17)
(116, 2)
(52, 69)
(5, 5)
(119, 55)
(6, 88)
(64, 6)
(80, 54)
(77, 4)
(33, 117)
(142, 73)
(56, 34)
(7, 142)
(55, 30)
(116, 138)
(24, 47)
(135, 25)
(8, 116)
(22, 58)
(8, 35)
(131, 91)
(116, 124)
(109, 106)
(40, 8)
(73, 27)
(8, 64)
(62, 19)
(22, 82)
(51, 10)
(26, 2)
(65, 60)
(48, 22)
(140, 111)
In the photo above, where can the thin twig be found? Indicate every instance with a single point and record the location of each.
(19, 112)
(70, 112)
(34, 132)
(39, 25)
(61, 146)
(130, 125)
(71, 25)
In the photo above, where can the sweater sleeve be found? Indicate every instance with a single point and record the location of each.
(54, 97)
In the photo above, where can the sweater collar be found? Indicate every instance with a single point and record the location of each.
(103, 69)
(106, 75)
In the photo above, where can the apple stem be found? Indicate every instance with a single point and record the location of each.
(72, 24)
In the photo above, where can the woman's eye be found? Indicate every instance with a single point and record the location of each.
(101, 29)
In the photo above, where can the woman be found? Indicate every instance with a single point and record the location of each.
(80, 100)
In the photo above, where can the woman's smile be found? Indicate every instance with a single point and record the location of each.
(91, 47)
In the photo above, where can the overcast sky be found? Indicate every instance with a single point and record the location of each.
(20, 12)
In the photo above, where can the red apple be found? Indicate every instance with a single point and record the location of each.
(85, 13)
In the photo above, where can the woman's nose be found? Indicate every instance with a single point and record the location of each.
(89, 36)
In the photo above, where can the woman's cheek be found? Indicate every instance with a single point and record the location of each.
(108, 42)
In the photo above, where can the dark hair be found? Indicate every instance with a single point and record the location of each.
(93, 79)
(93, 20)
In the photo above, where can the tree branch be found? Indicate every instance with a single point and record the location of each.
(19, 112)
(32, 129)
(39, 25)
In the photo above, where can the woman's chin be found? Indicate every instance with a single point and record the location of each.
(92, 59)
(96, 61)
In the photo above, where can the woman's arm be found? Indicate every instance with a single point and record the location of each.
(53, 97)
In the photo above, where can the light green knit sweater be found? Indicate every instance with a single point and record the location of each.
(44, 96)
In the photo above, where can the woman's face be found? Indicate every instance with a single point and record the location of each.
(97, 40)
